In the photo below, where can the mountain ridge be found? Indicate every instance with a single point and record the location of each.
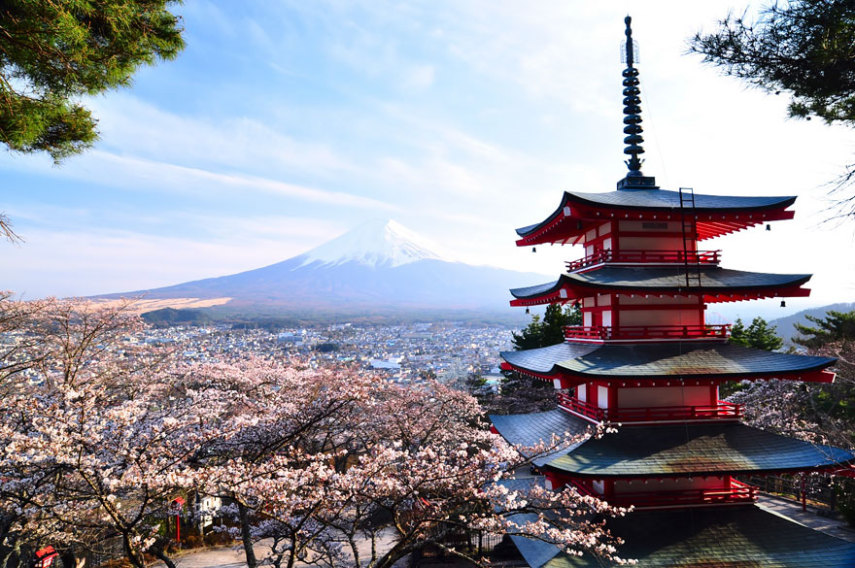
(376, 268)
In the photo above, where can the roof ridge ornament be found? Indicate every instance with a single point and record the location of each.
(632, 117)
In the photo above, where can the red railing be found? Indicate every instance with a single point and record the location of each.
(738, 492)
(646, 256)
(720, 410)
(602, 332)
(580, 407)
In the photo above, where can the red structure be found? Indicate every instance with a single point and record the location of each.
(645, 357)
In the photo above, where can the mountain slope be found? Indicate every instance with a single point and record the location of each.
(378, 268)
(785, 325)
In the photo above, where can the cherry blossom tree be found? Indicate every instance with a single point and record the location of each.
(331, 465)
(285, 428)
(97, 435)
(821, 413)
(394, 470)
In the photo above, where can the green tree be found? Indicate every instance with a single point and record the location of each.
(834, 327)
(52, 53)
(759, 335)
(519, 393)
(549, 330)
(804, 48)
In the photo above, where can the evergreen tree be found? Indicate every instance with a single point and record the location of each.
(54, 52)
(759, 335)
(836, 326)
(801, 47)
(549, 330)
(819, 412)
(520, 393)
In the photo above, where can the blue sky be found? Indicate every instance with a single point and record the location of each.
(284, 124)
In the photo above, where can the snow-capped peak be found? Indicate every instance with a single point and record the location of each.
(375, 243)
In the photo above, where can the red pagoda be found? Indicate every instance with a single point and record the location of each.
(646, 358)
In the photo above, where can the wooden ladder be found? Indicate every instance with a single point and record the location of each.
(690, 237)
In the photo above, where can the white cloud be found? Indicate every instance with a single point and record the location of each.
(82, 263)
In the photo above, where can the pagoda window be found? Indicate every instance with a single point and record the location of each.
(653, 299)
(604, 229)
(661, 317)
(607, 244)
(587, 319)
(650, 227)
(582, 393)
(607, 318)
(588, 302)
(602, 397)
(604, 300)
(591, 235)
(674, 243)
(598, 486)
(665, 396)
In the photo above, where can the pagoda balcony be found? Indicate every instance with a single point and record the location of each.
(646, 257)
(737, 494)
(646, 332)
(720, 411)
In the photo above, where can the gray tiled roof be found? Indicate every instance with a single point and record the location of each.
(730, 537)
(536, 552)
(536, 428)
(713, 279)
(662, 199)
(544, 359)
(694, 449)
(662, 360)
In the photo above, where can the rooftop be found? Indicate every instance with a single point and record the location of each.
(716, 284)
(694, 449)
(744, 536)
(668, 360)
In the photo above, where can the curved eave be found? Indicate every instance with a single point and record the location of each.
(715, 537)
(570, 378)
(578, 285)
(695, 449)
(651, 363)
(532, 433)
(576, 214)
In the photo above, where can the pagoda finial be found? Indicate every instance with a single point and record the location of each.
(631, 108)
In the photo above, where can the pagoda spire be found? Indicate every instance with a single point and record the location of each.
(632, 118)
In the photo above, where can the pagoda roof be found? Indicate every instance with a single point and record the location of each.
(528, 430)
(717, 284)
(716, 214)
(667, 360)
(694, 449)
(664, 199)
(743, 536)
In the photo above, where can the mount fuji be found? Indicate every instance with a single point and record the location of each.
(379, 270)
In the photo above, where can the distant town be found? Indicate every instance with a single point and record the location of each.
(449, 351)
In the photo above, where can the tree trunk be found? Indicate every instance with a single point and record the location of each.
(69, 559)
(137, 560)
(246, 536)
(158, 550)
